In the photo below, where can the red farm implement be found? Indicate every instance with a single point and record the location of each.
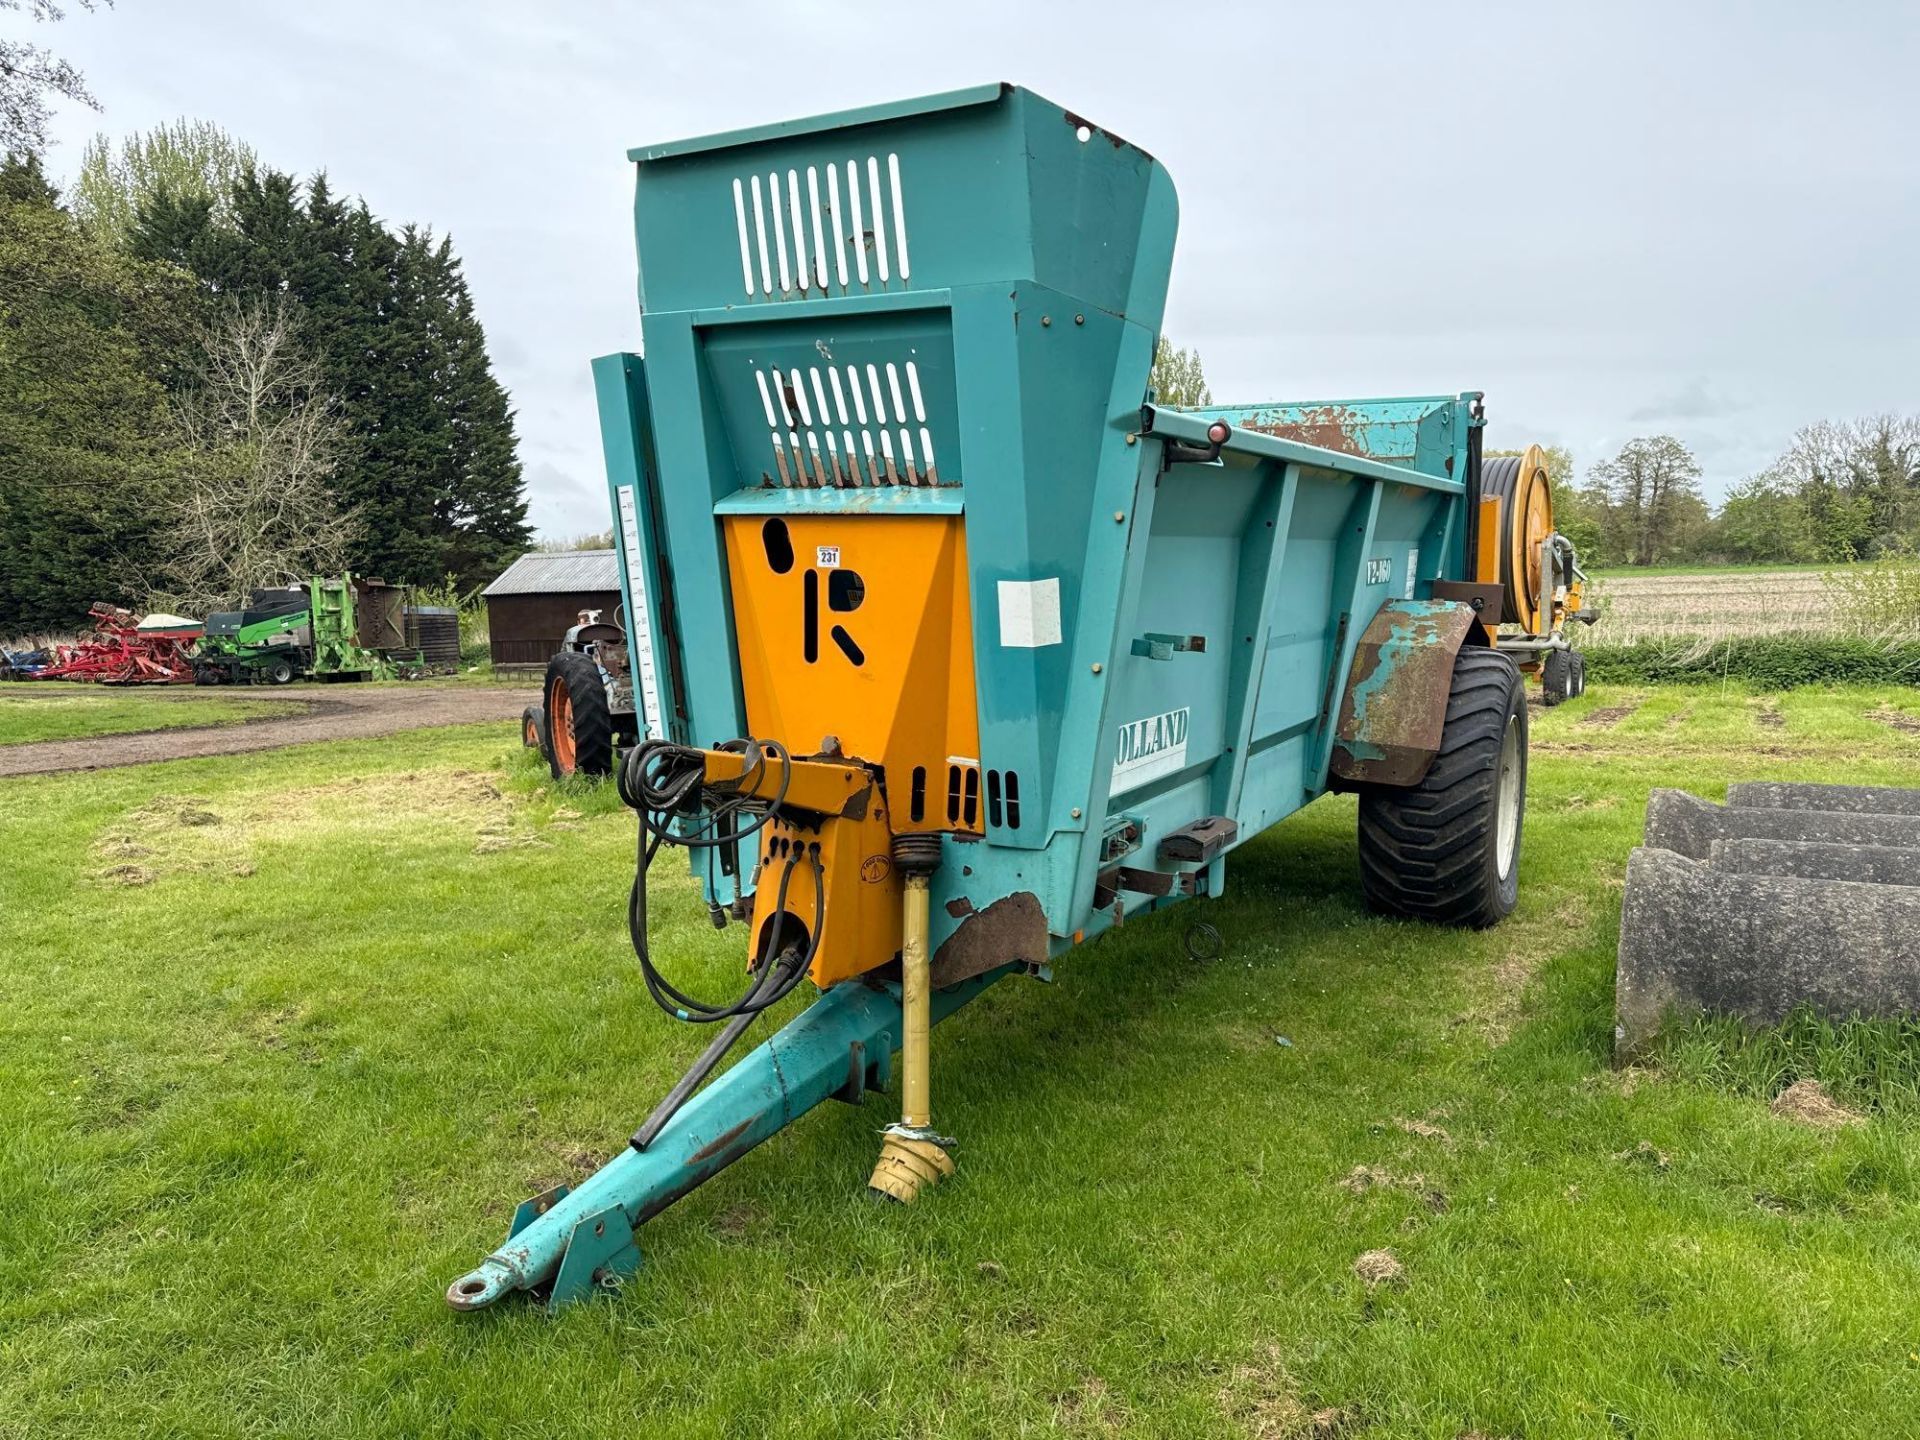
(125, 650)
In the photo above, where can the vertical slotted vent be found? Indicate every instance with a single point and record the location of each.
(813, 418)
(970, 808)
(917, 805)
(993, 798)
(1012, 785)
(794, 230)
(953, 794)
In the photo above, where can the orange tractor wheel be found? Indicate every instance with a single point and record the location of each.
(579, 720)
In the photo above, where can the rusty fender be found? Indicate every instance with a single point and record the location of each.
(1396, 699)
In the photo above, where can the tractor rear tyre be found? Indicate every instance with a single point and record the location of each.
(280, 671)
(579, 722)
(1556, 677)
(533, 728)
(1448, 849)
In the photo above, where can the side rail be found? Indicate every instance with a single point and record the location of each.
(1247, 673)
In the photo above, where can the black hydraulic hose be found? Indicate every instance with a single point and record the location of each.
(666, 784)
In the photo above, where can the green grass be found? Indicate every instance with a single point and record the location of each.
(257, 1112)
(1776, 662)
(50, 710)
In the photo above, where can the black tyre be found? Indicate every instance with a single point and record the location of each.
(279, 671)
(533, 728)
(1579, 663)
(1556, 677)
(1448, 849)
(579, 723)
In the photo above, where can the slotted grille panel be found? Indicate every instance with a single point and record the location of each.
(848, 425)
(814, 233)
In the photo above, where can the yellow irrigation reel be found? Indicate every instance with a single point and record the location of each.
(1534, 565)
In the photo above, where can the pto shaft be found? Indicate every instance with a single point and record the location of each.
(912, 1156)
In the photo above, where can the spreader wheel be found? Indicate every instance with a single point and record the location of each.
(1556, 677)
(1448, 849)
(1579, 672)
(579, 721)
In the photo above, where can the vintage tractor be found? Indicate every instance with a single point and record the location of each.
(1013, 653)
(585, 716)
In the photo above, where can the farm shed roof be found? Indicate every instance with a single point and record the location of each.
(558, 572)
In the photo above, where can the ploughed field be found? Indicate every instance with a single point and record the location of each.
(1713, 605)
(286, 1035)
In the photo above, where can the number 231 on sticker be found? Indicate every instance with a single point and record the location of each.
(827, 557)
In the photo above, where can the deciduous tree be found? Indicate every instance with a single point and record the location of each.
(1178, 378)
(252, 500)
(1654, 507)
(90, 341)
(28, 75)
(188, 159)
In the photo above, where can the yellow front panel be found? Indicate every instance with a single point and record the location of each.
(858, 627)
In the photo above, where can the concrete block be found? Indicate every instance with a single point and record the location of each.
(1689, 825)
(1694, 939)
(1811, 860)
(1848, 799)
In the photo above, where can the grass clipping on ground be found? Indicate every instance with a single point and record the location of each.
(171, 834)
(1355, 1177)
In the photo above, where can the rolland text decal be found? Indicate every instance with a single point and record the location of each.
(1149, 748)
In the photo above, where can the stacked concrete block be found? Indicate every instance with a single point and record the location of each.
(1788, 895)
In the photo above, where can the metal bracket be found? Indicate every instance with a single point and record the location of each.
(1161, 647)
(599, 1250)
(1198, 841)
(528, 1211)
(1173, 453)
(1120, 838)
(864, 1075)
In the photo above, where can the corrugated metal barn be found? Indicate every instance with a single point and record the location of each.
(539, 597)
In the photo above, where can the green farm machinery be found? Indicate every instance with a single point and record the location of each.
(318, 630)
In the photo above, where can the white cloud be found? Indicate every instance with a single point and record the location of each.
(1733, 204)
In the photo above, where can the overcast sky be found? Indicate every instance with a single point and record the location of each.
(1616, 219)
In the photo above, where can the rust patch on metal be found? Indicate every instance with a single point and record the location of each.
(1076, 122)
(1014, 927)
(1396, 696)
(713, 1149)
(1330, 427)
(958, 906)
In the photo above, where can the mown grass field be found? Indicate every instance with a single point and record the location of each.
(53, 710)
(283, 1038)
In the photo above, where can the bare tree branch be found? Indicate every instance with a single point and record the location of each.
(28, 74)
(261, 439)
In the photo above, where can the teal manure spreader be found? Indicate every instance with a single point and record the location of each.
(953, 650)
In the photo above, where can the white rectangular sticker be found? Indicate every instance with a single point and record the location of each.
(1413, 570)
(827, 557)
(1148, 749)
(1029, 613)
(1379, 572)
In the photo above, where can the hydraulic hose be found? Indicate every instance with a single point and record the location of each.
(666, 785)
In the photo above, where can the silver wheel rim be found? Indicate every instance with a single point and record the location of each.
(1508, 798)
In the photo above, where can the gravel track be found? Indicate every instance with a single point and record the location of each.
(315, 713)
